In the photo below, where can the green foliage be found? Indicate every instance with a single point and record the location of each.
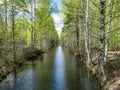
(71, 9)
(1, 30)
(45, 24)
(30, 21)
(22, 32)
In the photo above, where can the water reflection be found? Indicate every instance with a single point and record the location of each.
(59, 70)
(24, 80)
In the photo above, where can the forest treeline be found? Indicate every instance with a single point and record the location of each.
(91, 29)
(23, 24)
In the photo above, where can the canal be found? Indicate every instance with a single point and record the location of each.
(57, 70)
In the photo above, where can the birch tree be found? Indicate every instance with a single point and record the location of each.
(102, 34)
(109, 29)
(86, 32)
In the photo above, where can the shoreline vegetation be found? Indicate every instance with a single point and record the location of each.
(28, 56)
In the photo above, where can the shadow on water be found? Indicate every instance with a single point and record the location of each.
(57, 70)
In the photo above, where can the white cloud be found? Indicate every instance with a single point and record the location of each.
(58, 21)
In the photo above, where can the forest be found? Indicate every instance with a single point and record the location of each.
(26, 28)
(91, 32)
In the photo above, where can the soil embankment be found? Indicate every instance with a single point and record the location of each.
(113, 71)
(28, 56)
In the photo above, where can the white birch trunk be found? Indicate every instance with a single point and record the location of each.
(86, 32)
(108, 32)
(102, 35)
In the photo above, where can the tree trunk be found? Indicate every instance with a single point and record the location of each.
(86, 33)
(13, 31)
(32, 28)
(109, 29)
(77, 32)
(35, 2)
(5, 3)
(102, 35)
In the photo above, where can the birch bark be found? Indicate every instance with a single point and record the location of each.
(102, 35)
(86, 32)
(109, 29)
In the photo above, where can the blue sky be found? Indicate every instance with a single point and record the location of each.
(58, 17)
(59, 3)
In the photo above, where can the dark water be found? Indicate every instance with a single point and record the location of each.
(56, 71)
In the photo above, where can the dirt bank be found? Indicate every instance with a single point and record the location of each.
(113, 71)
(28, 55)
